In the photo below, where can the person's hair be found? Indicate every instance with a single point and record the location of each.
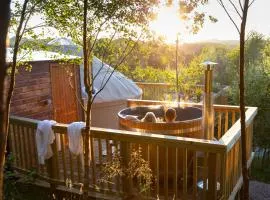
(170, 115)
(149, 117)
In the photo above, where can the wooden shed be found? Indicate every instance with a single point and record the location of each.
(49, 91)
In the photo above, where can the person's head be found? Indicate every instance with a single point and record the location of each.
(149, 117)
(170, 115)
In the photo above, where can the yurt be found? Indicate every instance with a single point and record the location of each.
(48, 90)
(52, 90)
(112, 97)
(65, 46)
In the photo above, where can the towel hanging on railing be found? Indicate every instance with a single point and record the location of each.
(75, 138)
(44, 138)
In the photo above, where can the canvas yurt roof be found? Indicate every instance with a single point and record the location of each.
(66, 46)
(38, 56)
(61, 41)
(118, 87)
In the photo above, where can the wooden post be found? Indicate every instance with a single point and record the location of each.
(212, 177)
(51, 165)
(125, 152)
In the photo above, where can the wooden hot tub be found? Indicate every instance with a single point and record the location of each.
(188, 122)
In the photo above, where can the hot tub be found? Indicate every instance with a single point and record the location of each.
(188, 122)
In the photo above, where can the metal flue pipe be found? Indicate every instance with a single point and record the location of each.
(208, 110)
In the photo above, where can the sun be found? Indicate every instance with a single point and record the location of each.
(168, 23)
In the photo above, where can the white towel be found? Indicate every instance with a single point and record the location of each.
(75, 140)
(44, 138)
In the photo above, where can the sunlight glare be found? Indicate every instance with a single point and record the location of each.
(168, 23)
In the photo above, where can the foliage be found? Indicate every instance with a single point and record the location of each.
(106, 17)
(257, 76)
(137, 170)
(12, 180)
(112, 169)
(257, 81)
(30, 34)
(189, 11)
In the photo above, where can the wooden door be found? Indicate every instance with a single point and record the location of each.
(64, 89)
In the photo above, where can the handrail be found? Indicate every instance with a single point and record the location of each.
(163, 140)
(136, 102)
(161, 84)
(154, 84)
(132, 136)
(234, 133)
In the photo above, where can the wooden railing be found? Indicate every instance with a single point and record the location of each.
(157, 91)
(178, 164)
(163, 91)
(232, 159)
(167, 92)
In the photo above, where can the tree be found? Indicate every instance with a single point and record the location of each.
(4, 18)
(257, 82)
(84, 21)
(20, 17)
(241, 8)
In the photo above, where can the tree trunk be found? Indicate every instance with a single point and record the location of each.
(4, 22)
(87, 83)
(245, 194)
(14, 59)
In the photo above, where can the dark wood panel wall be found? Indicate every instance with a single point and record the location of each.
(32, 93)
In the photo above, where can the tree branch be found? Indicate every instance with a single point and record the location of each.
(251, 3)
(228, 14)
(34, 27)
(29, 13)
(123, 52)
(241, 6)
(108, 45)
(235, 8)
(14, 60)
(122, 60)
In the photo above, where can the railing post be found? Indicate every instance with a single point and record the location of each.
(125, 152)
(52, 168)
(223, 178)
(212, 176)
(86, 137)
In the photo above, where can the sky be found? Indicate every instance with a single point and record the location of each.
(168, 23)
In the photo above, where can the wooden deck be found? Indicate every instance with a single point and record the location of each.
(176, 174)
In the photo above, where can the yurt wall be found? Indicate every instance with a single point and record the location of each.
(113, 97)
(48, 91)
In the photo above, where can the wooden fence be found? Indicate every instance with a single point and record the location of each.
(182, 168)
(157, 91)
(167, 92)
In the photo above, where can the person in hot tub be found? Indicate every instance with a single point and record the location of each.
(149, 117)
(170, 115)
